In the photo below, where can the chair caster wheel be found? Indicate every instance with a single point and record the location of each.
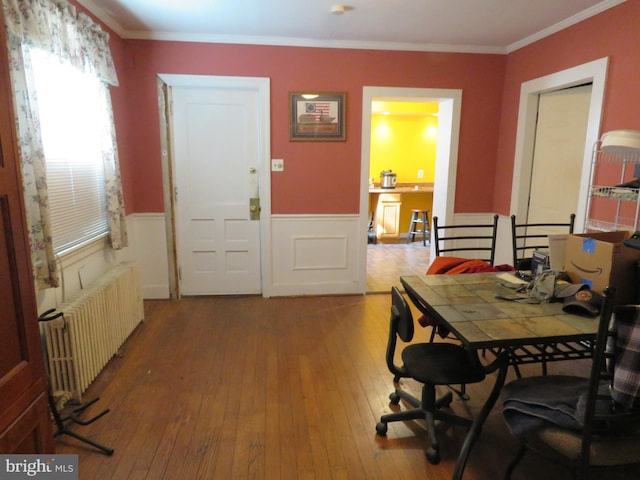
(433, 456)
(381, 428)
(395, 398)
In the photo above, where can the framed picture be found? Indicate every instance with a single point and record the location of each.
(316, 116)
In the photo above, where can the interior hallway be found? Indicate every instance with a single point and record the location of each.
(386, 263)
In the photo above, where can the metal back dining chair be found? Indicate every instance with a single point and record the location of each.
(527, 237)
(476, 240)
(585, 424)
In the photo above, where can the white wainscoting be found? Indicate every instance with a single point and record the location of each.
(316, 255)
(311, 255)
(149, 241)
(82, 267)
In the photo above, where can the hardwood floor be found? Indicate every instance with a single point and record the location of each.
(386, 263)
(281, 388)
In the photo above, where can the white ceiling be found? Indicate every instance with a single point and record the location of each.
(476, 26)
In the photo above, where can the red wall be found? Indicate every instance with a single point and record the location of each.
(319, 177)
(124, 130)
(614, 34)
(324, 177)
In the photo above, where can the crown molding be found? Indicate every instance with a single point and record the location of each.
(313, 43)
(103, 16)
(579, 17)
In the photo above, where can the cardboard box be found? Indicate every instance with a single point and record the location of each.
(600, 259)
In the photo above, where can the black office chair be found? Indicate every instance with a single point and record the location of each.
(527, 237)
(479, 238)
(601, 427)
(432, 364)
(422, 308)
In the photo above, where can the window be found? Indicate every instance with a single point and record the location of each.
(75, 124)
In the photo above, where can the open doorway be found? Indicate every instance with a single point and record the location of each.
(448, 106)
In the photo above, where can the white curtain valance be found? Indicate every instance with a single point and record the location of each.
(56, 27)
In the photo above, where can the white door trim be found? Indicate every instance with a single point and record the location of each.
(262, 86)
(450, 107)
(594, 72)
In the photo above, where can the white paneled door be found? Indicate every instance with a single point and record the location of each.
(558, 156)
(216, 142)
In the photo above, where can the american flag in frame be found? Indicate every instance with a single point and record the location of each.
(316, 116)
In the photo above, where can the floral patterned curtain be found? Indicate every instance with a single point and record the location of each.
(113, 186)
(56, 27)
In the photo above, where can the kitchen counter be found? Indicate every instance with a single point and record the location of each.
(391, 208)
(404, 188)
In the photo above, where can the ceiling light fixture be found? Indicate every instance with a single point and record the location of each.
(337, 9)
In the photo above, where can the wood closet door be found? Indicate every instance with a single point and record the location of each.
(24, 415)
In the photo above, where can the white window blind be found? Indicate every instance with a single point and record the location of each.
(74, 125)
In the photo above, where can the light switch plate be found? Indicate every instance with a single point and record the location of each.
(277, 165)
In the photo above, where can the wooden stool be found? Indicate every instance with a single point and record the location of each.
(419, 216)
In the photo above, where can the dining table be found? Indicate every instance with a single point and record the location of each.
(486, 314)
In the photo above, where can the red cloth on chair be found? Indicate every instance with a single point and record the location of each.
(455, 265)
